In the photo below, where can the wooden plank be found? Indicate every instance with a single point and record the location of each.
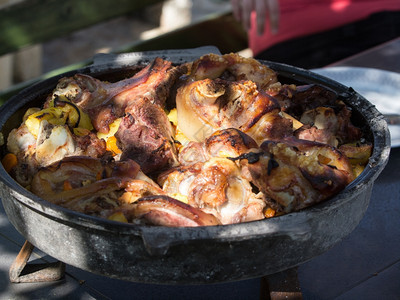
(35, 21)
(222, 31)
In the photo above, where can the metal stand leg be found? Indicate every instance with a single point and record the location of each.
(20, 271)
(279, 286)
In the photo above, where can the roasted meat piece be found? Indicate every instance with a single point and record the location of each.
(232, 67)
(306, 97)
(284, 186)
(229, 142)
(224, 91)
(216, 187)
(105, 101)
(297, 173)
(145, 133)
(167, 211)
(52, 143)
(325, 125)
(207, 105)
(319, 113)
(92, 186)
(146, 136)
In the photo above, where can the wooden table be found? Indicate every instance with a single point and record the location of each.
(365, 265)
(385, 56)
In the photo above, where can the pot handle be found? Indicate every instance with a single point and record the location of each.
(156, 243)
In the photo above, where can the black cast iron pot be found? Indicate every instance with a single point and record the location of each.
(212, 254)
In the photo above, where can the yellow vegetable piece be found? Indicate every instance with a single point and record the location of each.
(76, 117)
(181, 137)
(357, 169)
(118, 216)
(269, 212)
(173, 116)
(111, 145)
(67, 185)
(180, 197)
(357, 154)
(29, 112)
(113, 129)
(296, 123)
(61, 111)
(52, 115)
(9, 161)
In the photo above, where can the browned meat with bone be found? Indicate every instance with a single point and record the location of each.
(232, 67)
(298, 173)
(167, 211)
(212, 181)
(229, 142)
(92, 186)
(207, 105)
(216, 187)
(105, 101)
(146, 136)
(307, 97)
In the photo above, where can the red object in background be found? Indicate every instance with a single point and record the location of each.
(301, 18)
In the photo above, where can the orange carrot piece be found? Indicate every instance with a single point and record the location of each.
(67, 185)
(9, 161)
(269, 212)
(112, 145)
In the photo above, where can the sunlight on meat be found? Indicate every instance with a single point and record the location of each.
(214, 141)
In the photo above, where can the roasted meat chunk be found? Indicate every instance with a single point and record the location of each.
(146, 136)
(207, 105)
(298, 173)
(167, 211)
(232, 67)
(92, 186)
(229, 142)
(217, 187)
(145, 133)
(105, 101)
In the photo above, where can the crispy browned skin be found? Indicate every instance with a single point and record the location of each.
(284, 185)
(223, 91)
(232, 67)
(91, 185)
(167, 211)
(205, 106)
(229, 142)
(232, 142)
(326, 118)
(298, 173)
(211, 180)
(146, 136)
(105, 101)
(76, 170)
